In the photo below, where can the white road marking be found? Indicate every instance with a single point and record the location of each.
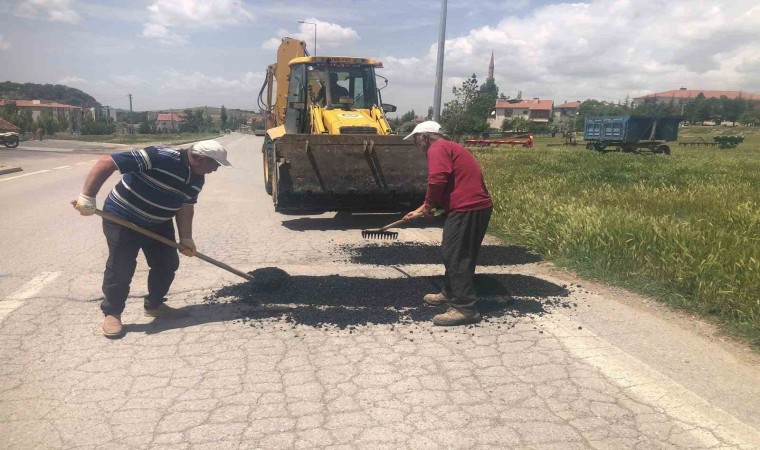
(83, 162)
(24, 175)
(61, 167)
(640, 381)
(30, 289)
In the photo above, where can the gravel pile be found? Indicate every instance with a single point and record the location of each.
(414, 253)
(347, 302)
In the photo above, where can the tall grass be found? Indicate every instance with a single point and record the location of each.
(684, 228)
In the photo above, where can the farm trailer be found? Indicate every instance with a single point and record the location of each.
(631, 133)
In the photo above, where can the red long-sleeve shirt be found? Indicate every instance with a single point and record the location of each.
(455, 180)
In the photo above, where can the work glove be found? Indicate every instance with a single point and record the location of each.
(187, 246)
(85, 205)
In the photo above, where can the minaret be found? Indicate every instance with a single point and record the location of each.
(490, 68)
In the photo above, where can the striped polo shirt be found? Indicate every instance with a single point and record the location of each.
(156, 182)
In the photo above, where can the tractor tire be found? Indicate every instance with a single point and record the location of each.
(268, 167)
(663, 150)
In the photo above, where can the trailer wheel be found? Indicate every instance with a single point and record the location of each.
(628, 148)
(663, 150)
(590, 146)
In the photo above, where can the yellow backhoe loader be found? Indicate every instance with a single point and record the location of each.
(328, 145)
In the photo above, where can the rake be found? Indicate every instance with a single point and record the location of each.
(381, 233)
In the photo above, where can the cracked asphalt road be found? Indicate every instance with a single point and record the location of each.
(566, 363)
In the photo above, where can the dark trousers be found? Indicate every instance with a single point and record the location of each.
(463, 232)
(123, 246)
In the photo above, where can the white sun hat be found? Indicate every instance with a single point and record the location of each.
(213, 150)
(428, 126)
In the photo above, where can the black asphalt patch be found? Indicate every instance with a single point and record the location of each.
(399, 253)
(347, 302)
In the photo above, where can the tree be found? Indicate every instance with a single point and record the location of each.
(47, 123)
(590, 108)
(21, 118)
(518, 123)
(408, 116)
(456, 118)
(430, 113)
(146, 127)
(223, 117)
(100, 126)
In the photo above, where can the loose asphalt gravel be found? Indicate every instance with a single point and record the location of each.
(347, 302)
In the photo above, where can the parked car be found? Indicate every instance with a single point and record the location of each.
(259, 132)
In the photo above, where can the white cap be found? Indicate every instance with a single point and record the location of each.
(428, 126)
(213, 150)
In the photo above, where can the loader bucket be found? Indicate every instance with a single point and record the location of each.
(348, 173)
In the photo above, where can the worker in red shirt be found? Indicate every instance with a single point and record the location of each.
(456, 186)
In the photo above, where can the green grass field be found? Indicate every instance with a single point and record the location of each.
(141, 138)
(683, 228)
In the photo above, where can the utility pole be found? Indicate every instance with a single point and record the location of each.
(315, 34)
(439, 64)
(130, 115)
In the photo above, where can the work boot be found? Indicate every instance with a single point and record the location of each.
(435, 299)
(165, 311)
(454, 316)
(112, 326)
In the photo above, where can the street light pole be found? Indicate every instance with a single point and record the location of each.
(439, 64)
(315, 34)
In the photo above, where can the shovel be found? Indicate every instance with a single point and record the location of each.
(169, 242)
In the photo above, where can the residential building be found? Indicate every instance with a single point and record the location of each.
(567, 109)
(683, 95)
(169, 121)
(72, 114)
(536, 110)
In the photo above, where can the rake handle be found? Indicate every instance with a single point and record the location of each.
(169, 242)
(399, 222)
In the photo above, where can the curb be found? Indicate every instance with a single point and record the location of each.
(5, 170)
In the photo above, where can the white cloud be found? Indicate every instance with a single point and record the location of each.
(201, 83)
(72, 81)
(604, 49)
(165, 15)
(53, 10)
(127, 80)
(4, 45)
(329, 35)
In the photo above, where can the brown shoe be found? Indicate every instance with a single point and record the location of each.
(112, 326)
(165, 311)
(455, 316)
(436, 299)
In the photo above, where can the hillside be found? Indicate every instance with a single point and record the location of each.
(53, 92)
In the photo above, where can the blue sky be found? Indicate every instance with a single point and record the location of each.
(181, 53)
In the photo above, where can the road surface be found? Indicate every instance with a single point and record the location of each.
(344, 355)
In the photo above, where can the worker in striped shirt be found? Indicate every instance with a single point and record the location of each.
(158, 184)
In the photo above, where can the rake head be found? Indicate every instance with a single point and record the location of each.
(379, 234)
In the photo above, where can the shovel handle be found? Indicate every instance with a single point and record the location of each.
(169, 242)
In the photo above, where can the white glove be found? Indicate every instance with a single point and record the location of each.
(85, 205)
(187, 246)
